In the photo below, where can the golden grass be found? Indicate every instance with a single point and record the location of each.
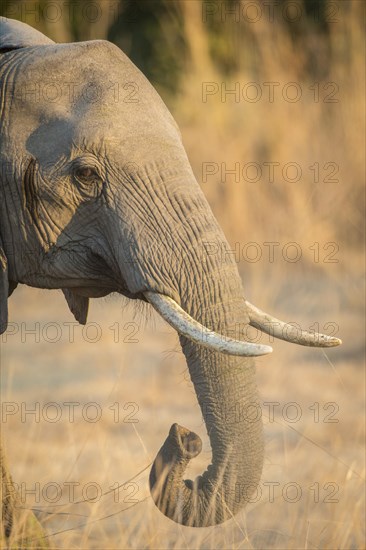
(324, 460)
(311, 130)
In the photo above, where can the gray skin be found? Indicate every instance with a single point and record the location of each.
(98, 196)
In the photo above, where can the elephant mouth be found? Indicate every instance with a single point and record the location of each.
(91, 291)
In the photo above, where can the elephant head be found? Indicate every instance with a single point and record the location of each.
(98, 196)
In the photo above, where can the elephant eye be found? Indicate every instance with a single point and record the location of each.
(86, 174)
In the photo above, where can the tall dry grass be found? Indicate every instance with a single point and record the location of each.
(304, 132)
(325, 459)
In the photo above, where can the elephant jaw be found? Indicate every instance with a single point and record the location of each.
(92, 291)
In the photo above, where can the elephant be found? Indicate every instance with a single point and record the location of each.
(98, 197)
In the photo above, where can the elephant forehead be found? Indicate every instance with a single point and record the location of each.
(92, 77)
(87, 92)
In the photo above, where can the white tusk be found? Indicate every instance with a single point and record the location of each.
(274, 327)
(187, 326)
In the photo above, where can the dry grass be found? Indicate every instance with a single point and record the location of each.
(304, 132)
(318, 456)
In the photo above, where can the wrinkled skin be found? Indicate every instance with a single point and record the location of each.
(98, 196)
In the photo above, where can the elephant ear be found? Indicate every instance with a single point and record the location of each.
(4, 290)
(78, 305)
(15, 35)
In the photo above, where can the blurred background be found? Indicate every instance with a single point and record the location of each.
(270, 100)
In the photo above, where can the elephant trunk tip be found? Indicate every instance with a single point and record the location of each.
(168, 490)
(188, 443)
(181, 445)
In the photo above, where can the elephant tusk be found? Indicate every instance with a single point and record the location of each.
(274, 327)
(187, 326)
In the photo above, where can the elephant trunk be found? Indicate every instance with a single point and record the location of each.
(183, 255)
(227, 394)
